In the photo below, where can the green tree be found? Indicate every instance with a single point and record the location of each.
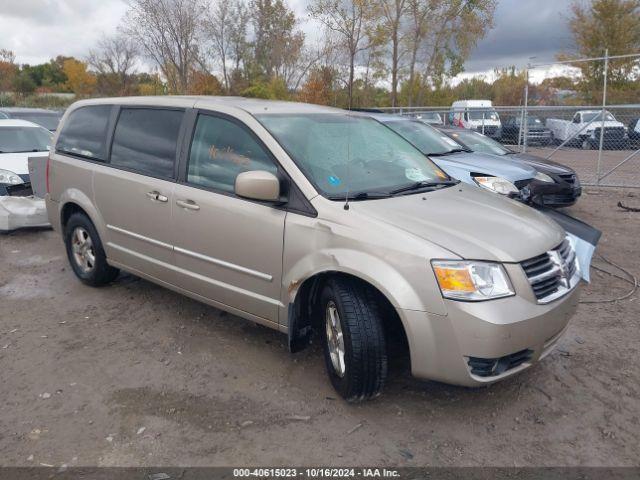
(23, 84)
(602, 25)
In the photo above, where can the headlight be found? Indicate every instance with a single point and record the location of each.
(496, 184)
(543, 177)
(471, 281)
(9, 177)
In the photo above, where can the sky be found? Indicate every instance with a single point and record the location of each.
(37, 30)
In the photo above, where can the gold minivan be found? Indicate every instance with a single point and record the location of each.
(311, 219)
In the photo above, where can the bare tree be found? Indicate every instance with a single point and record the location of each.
(238, 35)
(349, 20)
(168, 33)
(219, 28)
(393, 14)
(443, 32)
(114, 58)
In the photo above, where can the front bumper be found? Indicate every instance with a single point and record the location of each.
(22, 212)
(445, 347)
(555, 195)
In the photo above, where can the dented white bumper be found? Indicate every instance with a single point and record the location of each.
(22, 212)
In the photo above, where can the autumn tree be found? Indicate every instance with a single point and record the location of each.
(79, 80)
(168, 32)
(318, 86)
(509, 86)
(278, 43)
(204, 83)
(219, 31)
(8, 70)
(602, 25)
(114, 60)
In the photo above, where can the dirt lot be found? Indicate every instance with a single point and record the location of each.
(585, 163)
(133, 374)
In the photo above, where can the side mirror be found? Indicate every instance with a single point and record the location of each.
(258, 185)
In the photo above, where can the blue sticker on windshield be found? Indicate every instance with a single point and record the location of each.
(334, 180)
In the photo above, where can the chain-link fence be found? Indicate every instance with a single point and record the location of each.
(568, 135)
(600, 142)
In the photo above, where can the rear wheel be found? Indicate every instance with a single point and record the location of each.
(354, 343)
(85, 252)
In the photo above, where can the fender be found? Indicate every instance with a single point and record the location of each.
(78, 197)
(398, 290)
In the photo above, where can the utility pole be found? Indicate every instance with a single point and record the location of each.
(525, 113)
(604, 107)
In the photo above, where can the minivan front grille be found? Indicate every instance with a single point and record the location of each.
(490, 367)
(554, 273)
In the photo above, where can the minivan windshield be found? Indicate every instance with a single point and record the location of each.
(478, 143)
(344, 154)
(24, 139)
(428, 140)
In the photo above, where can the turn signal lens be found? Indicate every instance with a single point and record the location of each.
(454, 279)
(472, 281)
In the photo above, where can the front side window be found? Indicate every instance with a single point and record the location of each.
(342, 153)
(146, 141)
(24, 139)
(220, 151)
(85, 132)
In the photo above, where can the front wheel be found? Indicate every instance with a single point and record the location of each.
(354, 343)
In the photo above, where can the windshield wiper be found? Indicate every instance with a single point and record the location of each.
(422, 184)
(360, 196)
(442, 154)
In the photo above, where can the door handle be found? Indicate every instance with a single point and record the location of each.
(157, 196)
(188, 204)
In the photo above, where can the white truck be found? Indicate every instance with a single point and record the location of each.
(584, 130)
(478, 115)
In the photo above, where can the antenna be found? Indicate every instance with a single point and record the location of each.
(348, 179)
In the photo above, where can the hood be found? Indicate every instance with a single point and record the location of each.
(469, 222)
(539, 163)
(18, 162)
(486, 163)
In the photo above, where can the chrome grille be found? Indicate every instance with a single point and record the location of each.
(554, 273)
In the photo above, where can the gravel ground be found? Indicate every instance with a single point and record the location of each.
(135, 375)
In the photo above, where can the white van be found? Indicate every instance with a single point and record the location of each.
(476, 115)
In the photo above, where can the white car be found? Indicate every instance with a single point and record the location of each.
(20, 140)
(584, 130)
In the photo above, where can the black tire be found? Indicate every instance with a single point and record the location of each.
(99, 272)
(364, 345)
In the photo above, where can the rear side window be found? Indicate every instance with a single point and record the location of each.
(220, 151)
(146, 140)
(85, 132)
